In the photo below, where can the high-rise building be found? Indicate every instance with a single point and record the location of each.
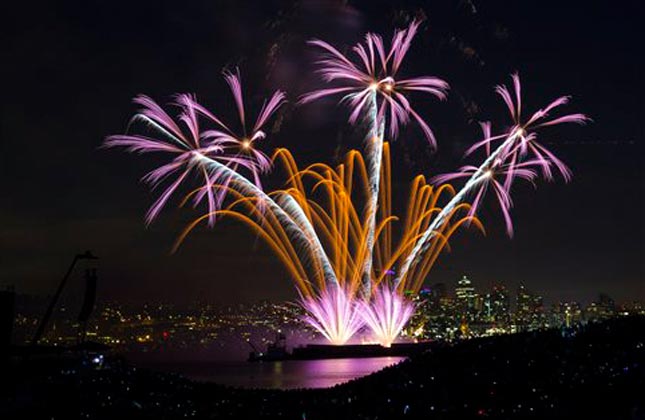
(607, 305)
(499, 303)
(464, 289)
(603, 308)
(566, 314)
(466, 296)
(435, 314)
(529, 313)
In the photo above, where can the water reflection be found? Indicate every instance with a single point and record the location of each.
(290, 374)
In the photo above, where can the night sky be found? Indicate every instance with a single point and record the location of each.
(71, 68)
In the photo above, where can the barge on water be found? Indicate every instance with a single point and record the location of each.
(278, 351)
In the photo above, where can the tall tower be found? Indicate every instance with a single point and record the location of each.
(500, 305)
(466, 296)
(464, 290)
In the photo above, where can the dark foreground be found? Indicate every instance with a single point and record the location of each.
(598, 373)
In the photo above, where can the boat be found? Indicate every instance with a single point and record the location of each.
(277, 351)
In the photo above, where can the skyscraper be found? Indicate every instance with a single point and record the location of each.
(465, 293)
(529, 313)
(499, 303)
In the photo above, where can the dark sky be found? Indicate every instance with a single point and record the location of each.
(71, 68)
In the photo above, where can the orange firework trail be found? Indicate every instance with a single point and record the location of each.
(327, 198)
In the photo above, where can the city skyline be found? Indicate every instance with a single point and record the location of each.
(204, 330)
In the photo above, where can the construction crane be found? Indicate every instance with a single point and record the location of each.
(50, 309)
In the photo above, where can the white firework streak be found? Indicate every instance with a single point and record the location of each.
(374, 148)
(386, 314)
(290, 214)
(479, 175)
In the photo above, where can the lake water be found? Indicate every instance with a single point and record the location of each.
(288, 374)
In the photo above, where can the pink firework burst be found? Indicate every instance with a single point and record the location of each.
(183, 140)
(516, 154)
(386, 314)
(373, 77)
(334, 313)
(244, 140)
(489, 179)
(524, 134)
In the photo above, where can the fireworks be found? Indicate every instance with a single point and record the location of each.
(334, 314)
(370, 86)
(372, 90)
(515, 156)
(215, 154)
(326, 198)
(352, 260)
(386, 314)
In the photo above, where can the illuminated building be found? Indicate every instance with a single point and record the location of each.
(498, 305)
(466, 298)
(529, 312)
(566, 314)
(601, 309)
(465, 291)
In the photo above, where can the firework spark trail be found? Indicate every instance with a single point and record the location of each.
(290, 214)
(245, 140)
(217, 155)
(478, 176)
(333, 313)
(517, 144)
(183, 145)
(344, 232)
(512, 170)
(295, 211)
(374, 149)
(374, 77)
(386, 314)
